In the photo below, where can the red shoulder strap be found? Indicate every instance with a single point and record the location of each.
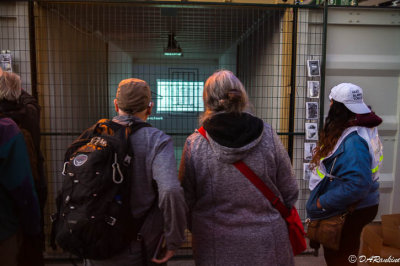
(202, 131)
(257, 182)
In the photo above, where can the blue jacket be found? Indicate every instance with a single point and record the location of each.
(353, 183)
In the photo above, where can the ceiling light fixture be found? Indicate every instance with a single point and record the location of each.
(173, 48)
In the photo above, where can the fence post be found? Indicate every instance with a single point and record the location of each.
(323, 66)
(32, 47)
(293, 85)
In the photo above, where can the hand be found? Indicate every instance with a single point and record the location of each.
(319, 206)
(169, 254)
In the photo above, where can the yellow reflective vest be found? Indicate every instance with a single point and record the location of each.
(371, 136)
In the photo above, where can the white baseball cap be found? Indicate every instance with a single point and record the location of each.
(351, 96)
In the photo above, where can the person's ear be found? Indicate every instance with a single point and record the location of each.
(150, 108)
(116, 105)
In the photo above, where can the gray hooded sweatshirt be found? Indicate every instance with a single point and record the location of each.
(231, 221)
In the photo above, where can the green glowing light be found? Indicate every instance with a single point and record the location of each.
(172, 53)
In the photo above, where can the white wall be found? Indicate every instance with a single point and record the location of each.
(363, 47)
(228, 59)
(119, 68)
(259, 68)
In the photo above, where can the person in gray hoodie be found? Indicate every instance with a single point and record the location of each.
(231, 222)
(157, 192)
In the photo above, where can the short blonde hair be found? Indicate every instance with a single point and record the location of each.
(10, 86)
(223, 91)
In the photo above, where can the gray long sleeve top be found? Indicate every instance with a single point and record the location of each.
(154, 163)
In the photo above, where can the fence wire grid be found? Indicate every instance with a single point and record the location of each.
(72, 55)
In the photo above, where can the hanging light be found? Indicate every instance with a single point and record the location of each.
(173, 48)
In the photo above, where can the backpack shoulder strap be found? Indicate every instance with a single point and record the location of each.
(138, 125)
(131, 128)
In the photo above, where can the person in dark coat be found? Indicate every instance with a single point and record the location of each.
(19, 206)
(23, 108)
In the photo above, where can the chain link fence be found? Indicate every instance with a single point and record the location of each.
(72, 55)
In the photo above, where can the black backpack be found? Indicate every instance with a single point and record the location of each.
(93, 218)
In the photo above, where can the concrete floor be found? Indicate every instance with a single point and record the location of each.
(300, 260)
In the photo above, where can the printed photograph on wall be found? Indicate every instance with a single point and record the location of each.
(5, 61)
(313, 68)
(311, 131)
(311, 110)
(313, 89)
(308, 150)
(306, 171)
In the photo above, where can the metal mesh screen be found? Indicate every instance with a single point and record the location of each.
(83, 50)
(14, 39)
(308, 95)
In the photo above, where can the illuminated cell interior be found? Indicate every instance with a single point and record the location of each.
(179, 96)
